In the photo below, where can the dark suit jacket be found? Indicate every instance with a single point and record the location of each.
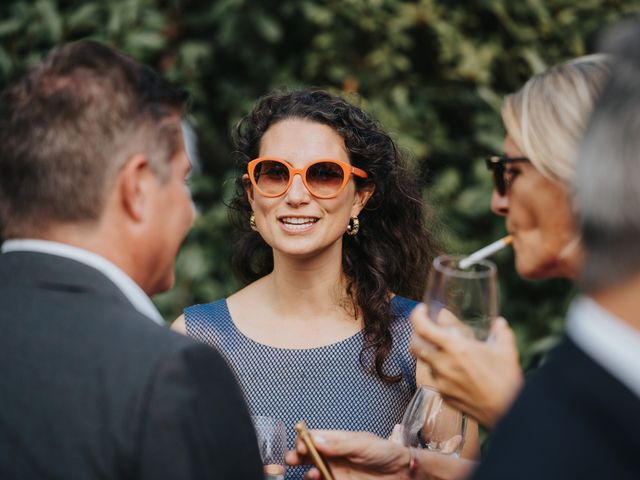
(92, 389)
(573, 420)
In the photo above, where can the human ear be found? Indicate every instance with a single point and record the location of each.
(134, 186)
(361, 198)
(248, 188)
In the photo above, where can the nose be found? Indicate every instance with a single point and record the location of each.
(297, 193)
(499, 203)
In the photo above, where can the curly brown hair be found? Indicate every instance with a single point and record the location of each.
(393, 248)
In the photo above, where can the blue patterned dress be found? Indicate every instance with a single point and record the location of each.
(325, 386)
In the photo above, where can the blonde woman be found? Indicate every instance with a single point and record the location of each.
(544, 123)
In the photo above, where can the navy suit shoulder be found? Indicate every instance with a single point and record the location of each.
(572, 420)
(194, 398)
(87, 382)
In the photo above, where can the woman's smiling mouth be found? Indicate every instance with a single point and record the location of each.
(297, 224)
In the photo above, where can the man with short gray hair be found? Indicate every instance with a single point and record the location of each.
(93, 208)
(608, 175)
(578, 416)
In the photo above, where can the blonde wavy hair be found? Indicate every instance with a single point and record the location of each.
(548, 116)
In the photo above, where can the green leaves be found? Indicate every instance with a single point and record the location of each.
(433, 72)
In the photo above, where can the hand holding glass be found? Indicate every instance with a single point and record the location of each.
(430, 423)
(464, 300)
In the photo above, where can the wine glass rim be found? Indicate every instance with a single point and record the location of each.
(429, 390)
(263, 420)
(428, 387)
(488, 268)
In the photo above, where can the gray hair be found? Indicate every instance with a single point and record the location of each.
(69, 124)
(608, 172)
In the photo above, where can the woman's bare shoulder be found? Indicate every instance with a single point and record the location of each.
(179, 325)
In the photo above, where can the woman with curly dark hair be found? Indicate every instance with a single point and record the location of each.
(334, 247)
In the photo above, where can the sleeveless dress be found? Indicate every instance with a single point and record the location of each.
(326, 386)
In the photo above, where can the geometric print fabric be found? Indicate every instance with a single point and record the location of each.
(326, 386)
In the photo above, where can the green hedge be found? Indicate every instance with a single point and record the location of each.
(432, 72)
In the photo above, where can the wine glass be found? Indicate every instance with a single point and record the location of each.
(463, 299)
(272, 442)
(430, 423)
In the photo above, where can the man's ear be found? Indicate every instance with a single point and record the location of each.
(362, 197)
(134, 186)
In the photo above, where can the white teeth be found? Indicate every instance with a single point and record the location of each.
(298, 223)
(298, 220)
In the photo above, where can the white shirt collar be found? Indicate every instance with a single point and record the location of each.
(607, 340)
(130, 289)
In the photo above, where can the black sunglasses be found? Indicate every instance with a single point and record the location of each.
(497, 164)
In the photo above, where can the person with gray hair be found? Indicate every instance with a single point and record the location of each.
(609, 200)
(578, 416)
(93, 208)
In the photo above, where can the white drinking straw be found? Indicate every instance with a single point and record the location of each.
(484, 252)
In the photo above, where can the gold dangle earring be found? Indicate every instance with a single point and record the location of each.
(353, 227)
(252, 222)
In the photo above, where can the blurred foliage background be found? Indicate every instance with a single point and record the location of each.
(433, 72)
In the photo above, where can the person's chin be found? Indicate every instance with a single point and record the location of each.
(535, 271)
(165, 283)
(526, 269)
(526, 264)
